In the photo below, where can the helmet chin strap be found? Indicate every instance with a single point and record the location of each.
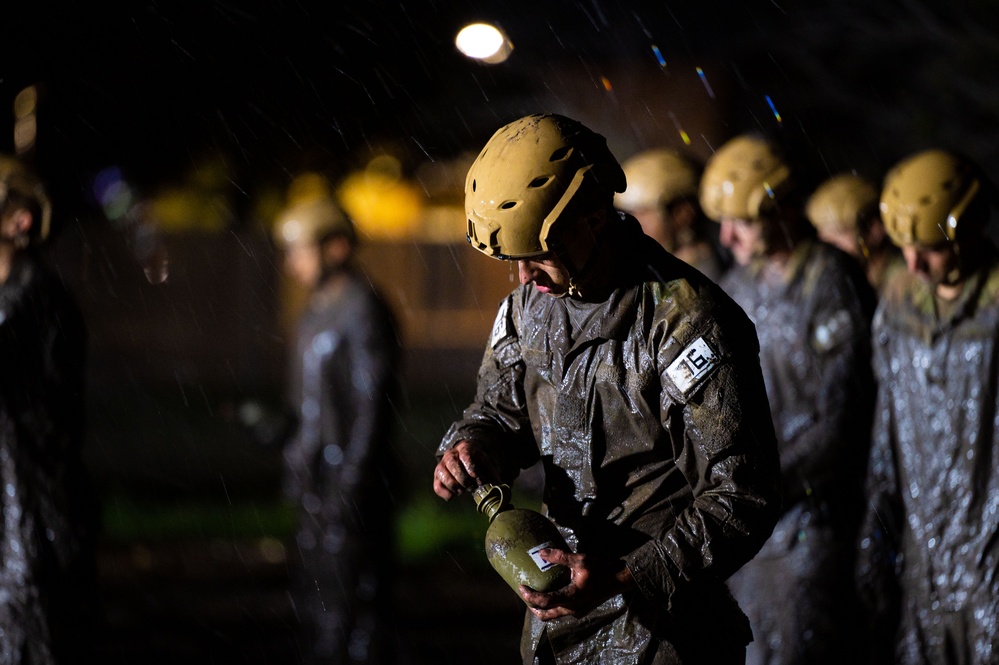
(580, 258)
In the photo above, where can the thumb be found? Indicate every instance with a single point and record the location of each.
(554, 555)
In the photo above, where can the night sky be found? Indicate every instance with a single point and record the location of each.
(277, 86)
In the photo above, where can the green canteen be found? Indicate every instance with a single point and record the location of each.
(513, 539)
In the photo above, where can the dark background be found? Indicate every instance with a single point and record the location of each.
(278, 85)
(192, 561)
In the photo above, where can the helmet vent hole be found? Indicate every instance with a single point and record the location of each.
(540, 181)
(506, 205)
(473, 185)
(560, 154)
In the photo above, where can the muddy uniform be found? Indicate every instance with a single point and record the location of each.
(48, 592)
(813, 325)
(934, 479)
(338, 467)
(645, 408)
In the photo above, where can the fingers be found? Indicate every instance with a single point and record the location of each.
(548, 615)
(458, 470)
(552, 555)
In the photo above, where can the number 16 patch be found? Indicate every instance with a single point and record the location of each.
(693, 364)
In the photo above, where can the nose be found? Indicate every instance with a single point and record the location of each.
(915, 262)
(526, 271)
(725, 233)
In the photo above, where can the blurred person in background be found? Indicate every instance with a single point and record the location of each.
(812, 308)
(339, 464)
(49, 603)
(636, 381)
(844, 211)
(662, 195)
(929, 547)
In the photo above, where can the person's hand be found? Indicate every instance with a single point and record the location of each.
(464, 467)
(593, 581)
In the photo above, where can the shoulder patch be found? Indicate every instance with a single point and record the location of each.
(500, 328)
(832, 332)
(692, 365)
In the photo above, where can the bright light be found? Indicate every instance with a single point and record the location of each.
(484, 42)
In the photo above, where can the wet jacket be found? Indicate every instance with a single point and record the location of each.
(340, 469)
(47, 577)
(813, 320)
(933, 481)
(647, 409)
(342, 377)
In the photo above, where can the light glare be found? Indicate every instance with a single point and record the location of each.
(483, 41)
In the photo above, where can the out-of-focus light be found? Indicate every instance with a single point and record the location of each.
(606, 83)
(704, 80)
(25, 124)
(485, 42)
(25, 132)
(25, 102)
(773, 109)
(382, 204)
(659, 56)
(113, 193)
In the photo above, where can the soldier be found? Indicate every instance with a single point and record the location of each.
(338, 461)
(636, 381)
(930, 538)
(844, 211)
(812, 306)
(662, 196)
(48, 576)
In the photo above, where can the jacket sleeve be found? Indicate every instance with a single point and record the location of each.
(715, 409)
(880, 532)
(498, 418)
(373, 350)
(826, 459)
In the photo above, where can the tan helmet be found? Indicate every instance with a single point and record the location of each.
(745, 179)
(309, 221)
(925, 196)
(19, 185)
(532, 174)
(841, 202)
(656, 178)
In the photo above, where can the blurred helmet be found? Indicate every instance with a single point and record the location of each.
(20, 186)
(925, 196)
(656, 178)
(310, 221)
(745, 179)
(532, 174)
(841, 202)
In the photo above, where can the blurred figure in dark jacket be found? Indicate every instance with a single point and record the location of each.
(48, 583)
(662, 195)
(929, 547)
(338, 462)
(844, 212)
(812, 307)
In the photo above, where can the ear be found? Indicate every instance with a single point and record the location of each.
(597, 221)
(336, 250)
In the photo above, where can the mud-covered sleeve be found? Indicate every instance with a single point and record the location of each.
(877, 554)
(373, 359)
(826, 457)
(498, 417)
(715, 409)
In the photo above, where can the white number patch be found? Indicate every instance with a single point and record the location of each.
(534, 552)
(692, 365)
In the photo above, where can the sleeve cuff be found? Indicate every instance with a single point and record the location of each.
(654, 572)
